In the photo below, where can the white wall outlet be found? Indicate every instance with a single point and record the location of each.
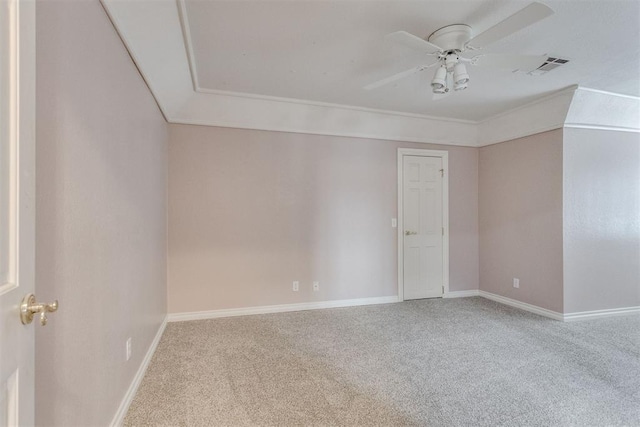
(296, 286)
(316, 286)
(516, 282)
(128, 348)
(394, 222)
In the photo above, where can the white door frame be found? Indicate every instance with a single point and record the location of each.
(444, 155)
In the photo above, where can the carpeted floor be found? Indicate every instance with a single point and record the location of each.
(455, 362)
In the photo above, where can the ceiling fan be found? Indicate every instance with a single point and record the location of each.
(448, 44)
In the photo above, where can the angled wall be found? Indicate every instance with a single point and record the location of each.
(601, 219)
(101, 215)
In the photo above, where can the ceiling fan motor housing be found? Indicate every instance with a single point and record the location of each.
(450, 61)
(451, 38)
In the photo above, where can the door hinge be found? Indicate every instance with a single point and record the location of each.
(443, 231)
(442, 172)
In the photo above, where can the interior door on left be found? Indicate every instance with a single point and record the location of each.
(17, 208)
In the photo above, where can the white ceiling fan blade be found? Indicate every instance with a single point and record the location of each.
(412, 42)
(529, 15)
(510, 62)
(395, 77)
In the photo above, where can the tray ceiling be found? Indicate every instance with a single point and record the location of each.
(326, 51)
(300, 66)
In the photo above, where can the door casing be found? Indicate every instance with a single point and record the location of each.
(444, 155)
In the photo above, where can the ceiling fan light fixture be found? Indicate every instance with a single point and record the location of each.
(439, 82)
(460, 75)
(440, 90)
(460, 86)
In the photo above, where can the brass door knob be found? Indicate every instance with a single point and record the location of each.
(30, 308)
(410, 233)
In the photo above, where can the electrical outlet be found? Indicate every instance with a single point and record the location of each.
(394, 222)
(128, 348)
(516, 282)
(316, 286)
(296, 286)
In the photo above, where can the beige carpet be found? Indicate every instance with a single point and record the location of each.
(457, 362)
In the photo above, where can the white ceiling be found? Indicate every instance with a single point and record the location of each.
(326, 51)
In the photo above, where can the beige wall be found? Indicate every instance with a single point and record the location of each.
(520, 216)
(101, 215)
(251, 211)
(601, 220)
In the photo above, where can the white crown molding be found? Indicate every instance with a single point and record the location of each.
(118, 418)
(282, 308)
(188, 44)
(158, 37)
(606, 92)
(600, 127)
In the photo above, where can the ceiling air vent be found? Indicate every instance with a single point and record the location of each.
(549, 64)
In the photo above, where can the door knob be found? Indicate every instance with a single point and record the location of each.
(30, 308)
(410, 233)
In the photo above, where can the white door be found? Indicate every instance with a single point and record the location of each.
(17, 203)
(423, 227)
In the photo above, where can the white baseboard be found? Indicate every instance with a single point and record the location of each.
(597, 314)
(564, 317)
(522, 305)
(462, 294)
(245, 311)
(135, 383)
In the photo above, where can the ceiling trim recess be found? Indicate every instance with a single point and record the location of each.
(186, 31)
(158, 38)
